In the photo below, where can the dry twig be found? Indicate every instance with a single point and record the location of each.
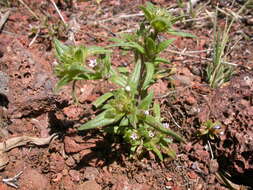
(13, 181)
(4, 19)
(35, 37)
(20, 141)
(58, 11)
(29, 9)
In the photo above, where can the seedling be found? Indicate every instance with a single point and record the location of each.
(48, 31)
(219, 71)
(211, 130)
(128, 111)
(5, 3)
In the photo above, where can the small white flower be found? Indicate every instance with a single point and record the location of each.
(222, 133)
(146, 112)
(206, 147)
(55, 63)
(127, 88)
(246, 78)
(93, 63)
(166, 125)
(82, 90)
(134, 136)
(151, 134)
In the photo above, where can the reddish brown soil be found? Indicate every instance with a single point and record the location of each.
(91, 160)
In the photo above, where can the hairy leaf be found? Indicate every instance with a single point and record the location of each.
(60, 48)
(163, 45)
(152, 147)
(135, 76)
(157, 125)
(157, 111)
(146, 102)
(168, 151)
(100, 121)
(119, 80)
(182, 34)
(123, 70)
(150, 47)
(148, 11)
(162, 60)
(98, 102)
(95, 50)
(133, 45)
(150, 70)
(124, 122)
(133, 119)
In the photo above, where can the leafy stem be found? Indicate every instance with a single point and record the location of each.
(128, 111)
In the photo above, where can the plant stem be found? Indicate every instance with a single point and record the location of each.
(74, 92)
(142, 92)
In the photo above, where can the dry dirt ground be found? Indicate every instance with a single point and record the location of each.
(91, 160)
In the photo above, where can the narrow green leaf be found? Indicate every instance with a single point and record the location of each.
(107, 65)
(124, 122)
(157, 111)
(63, 81)
(150, 70)
(135, 76)
(147, 13)
(93, 50)
(129, 45)
(86, 76)
(157, 125)
(60, 47)
(106, 107)
(162, 60)
(100, 121)
(119, 80)
(163, 45)
(79, 54)
(148, 10)
(76, 68)
(133, 119)
(129, 37)
(169, 151)
(146, 102)
(123, 70)
(167, 140)
(118, 40)
(150, 47)
(152, 147)
(98, 102)
(182, 34)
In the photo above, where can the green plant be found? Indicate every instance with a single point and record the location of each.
(5, 3)
(128, 111)
(219, 71)
(180, 3)
(72, 64)
(48, 29)
(211, 130)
